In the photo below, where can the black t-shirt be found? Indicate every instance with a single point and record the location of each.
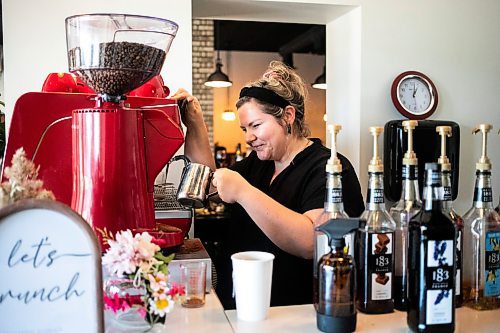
(299, 187)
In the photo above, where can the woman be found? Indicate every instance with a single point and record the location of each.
(278, 190)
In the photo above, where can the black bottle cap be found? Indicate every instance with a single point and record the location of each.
(335, 229)
(329, 324)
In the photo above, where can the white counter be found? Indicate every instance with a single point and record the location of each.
(302, 318)
(211, 318)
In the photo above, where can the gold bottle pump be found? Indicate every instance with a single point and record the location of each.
(333, 165)
(484, 163)
(375, 163)
(444, 132)
(410, 157)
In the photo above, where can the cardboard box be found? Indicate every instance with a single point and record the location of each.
(191, 251)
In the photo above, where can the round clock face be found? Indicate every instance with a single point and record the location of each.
(414, 95)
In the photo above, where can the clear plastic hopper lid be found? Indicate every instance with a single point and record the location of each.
(116, 53)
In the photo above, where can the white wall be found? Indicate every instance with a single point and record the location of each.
(453, 43)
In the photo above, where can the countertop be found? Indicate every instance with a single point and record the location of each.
(302, 319)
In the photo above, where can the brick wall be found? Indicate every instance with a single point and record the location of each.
(203, 66)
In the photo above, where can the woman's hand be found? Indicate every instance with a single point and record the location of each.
(229, 184)
(190, 107)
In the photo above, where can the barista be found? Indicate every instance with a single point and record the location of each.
(277, 192)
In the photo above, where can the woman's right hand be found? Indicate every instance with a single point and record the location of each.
(191, 113)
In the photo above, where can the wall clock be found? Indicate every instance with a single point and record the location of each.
(414, 95)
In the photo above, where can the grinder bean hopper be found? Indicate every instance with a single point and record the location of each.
(101, 153)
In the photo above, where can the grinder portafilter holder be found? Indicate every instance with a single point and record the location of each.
(115, 53)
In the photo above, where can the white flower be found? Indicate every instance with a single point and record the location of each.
(120, 258)
(158, 283)
(161, 305)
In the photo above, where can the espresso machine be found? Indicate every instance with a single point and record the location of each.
(101, 152)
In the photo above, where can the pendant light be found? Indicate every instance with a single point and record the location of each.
(228, 114)
(218, 79)
(320, 82)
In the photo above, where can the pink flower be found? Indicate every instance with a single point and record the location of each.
(176, 289)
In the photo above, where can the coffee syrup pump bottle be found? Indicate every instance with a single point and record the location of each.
(447, 203)
(402, 212)
(375, 250)
(336, 310)
(482, 239)
(333, 208)
(432, 261)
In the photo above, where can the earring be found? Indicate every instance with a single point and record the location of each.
(289, 128)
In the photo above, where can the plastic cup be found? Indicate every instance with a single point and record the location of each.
(193, 277)
(252, 277)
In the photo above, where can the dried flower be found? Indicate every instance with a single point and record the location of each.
(22, 181)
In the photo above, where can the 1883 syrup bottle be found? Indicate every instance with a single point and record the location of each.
(482, 239)
(402, 212)
(333, 208)
(445, 131)
(375, 250)
(432, 260)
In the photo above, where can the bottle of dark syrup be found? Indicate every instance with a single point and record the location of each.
(335, 307)
(432, 260)
(408, 205)
(375, 250)
(333, 207)
(445, 131)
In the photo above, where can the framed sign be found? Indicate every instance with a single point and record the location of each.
(50, 269)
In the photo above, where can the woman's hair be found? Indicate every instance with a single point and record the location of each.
(286, 83)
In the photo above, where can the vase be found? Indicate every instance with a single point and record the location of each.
(124, 318)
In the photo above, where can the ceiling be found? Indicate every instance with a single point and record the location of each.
(283, 38)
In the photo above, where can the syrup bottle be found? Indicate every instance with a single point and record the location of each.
(432, 261)
(482, 239)
(375, 250)
(445, 131)
(402, 212)
(336, 309)
(333, 208)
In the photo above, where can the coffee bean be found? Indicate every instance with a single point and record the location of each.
(116, 68)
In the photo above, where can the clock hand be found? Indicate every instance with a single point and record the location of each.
(414, 90)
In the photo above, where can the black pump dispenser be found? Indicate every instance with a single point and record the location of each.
(336, 308)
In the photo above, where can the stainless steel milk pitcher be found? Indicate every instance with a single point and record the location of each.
(195, 183)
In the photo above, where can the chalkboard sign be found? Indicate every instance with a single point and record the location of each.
(50, 270)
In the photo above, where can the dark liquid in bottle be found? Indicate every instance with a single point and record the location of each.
(375, 272)
(400, 303)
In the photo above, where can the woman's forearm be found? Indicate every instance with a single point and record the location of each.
(291, 231)
(197, 146)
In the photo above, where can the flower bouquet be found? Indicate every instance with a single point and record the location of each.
(139, 278)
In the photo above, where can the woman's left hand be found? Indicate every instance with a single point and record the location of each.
(229, 184)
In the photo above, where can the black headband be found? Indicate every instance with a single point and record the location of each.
(264, 95)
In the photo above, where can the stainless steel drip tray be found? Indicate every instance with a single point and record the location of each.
(173, 214)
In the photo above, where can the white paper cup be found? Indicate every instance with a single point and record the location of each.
(252, 276)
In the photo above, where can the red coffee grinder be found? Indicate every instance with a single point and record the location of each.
(109, 147)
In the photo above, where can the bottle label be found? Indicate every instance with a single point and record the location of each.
(380, 265)
(483, 194)
(375, 195)
(447, 193)
(335, 195)
(410, 172)
(439, 282)
(458, 283)
(492, 265)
